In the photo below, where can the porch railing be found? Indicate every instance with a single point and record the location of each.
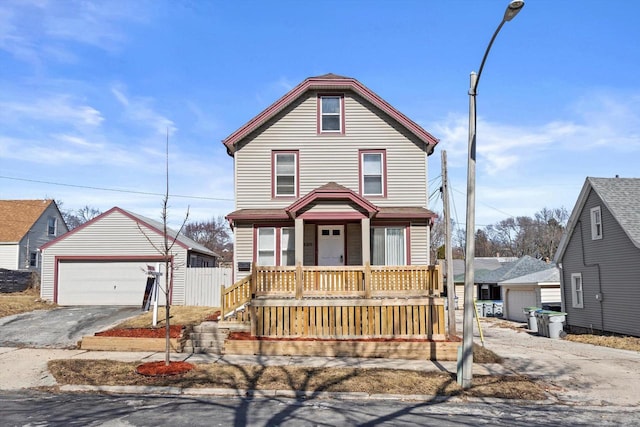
(333, 281)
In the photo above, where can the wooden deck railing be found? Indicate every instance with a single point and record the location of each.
(313, 282)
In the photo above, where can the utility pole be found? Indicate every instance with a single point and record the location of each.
(448, 257)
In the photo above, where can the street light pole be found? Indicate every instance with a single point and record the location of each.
(467, 326)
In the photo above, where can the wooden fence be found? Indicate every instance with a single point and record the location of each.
(203, 286)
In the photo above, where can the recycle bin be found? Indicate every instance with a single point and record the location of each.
(480, 308)
(488, 308)
(530, 314)
(498, 308)
(555, 323)
(543, 329)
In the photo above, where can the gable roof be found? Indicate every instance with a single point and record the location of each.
(331, 191)
(508, 270)
(156, 226)
(17, 217)
(621, 196)
(550, 275)
(328, 82)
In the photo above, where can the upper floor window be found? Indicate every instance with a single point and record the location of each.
(372, 173)
(52, 224)
(577, 300)
(596, 223)
(331, 113)
(285, 174)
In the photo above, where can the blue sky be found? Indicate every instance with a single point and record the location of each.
(89, 89)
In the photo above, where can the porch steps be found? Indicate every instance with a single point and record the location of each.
(210, 337)
(206, 337)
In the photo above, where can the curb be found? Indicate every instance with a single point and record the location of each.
(307, 395)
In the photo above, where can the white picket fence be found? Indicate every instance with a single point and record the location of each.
(203, 285)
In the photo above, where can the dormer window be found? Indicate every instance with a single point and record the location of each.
(331, 114)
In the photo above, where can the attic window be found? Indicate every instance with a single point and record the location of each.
(52, 226)
(596, 223)
(331, 113)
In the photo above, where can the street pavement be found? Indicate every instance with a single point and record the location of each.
(577, 374)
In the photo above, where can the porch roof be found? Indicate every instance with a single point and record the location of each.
(386, 213)
(331, 191)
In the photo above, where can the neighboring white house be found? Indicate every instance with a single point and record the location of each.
(25, 225)
(103, 262)
(538, 289)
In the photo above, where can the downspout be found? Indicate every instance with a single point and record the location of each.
(597, 266)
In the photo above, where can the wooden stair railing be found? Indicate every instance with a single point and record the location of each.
(235, 296)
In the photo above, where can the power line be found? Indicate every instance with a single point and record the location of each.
(115, 190)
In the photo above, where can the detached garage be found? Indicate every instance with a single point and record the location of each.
(104, 261)
(531, 290)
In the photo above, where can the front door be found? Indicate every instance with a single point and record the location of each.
(331, 245)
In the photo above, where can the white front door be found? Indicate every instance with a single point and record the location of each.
(331, 245)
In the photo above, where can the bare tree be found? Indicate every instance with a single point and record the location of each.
(76, 217)
(214, 234)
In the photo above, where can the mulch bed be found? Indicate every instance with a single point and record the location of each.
(213, 317)
(174, 332)
(160, 369)
(246, 336)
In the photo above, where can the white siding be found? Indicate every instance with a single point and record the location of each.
(550, 294)
(330, 157)
(203, 285)
(114, 235)
(9, 256)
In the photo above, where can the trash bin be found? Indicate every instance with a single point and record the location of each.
(555, 321)
(498, 308)
(480, 308)
(488, 308)
(530, 314)
(540, 321)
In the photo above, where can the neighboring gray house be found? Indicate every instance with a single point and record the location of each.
(599, 258)
(481, 266)
(25, 225)
(539, 289)
(103, 262)
(330, 175)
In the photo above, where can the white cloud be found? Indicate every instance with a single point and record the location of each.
(53, 108)
(139, 111)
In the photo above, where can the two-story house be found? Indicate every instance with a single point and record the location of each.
(330, 175)
(599, 258)
(25, 225)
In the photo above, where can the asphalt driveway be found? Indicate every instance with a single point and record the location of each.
(61, 327)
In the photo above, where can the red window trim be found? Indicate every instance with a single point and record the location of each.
(383, 152)
(273, 174)
(278, 240)
(319, 114)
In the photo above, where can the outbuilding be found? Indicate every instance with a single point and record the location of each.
(539, 289)
(105, 261)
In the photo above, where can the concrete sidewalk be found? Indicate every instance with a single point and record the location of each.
(578, 374)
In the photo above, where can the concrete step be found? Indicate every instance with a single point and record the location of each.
(206, 327)
(205, 336)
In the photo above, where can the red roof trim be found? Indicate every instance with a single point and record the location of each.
(99, 217)
(323, 83)
(331, 194)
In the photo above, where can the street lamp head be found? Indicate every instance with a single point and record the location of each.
(512, 10)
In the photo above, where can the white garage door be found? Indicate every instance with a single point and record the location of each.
(102, 282)
(516, 300)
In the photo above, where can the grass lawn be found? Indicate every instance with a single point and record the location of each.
(179, 315)
(22, 302)
(105, 372)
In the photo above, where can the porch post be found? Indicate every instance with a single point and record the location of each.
(299, 241)
(365, 224)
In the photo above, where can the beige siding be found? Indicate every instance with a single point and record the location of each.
(329, 206)
(354, 244)
(243, 248)
(325, 158)
(114, 235)
(419, 244)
